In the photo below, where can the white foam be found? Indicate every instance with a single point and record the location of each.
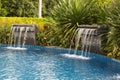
(11, 79)
(116, 76)
(74, 56)
(16, 48)
(115, 60)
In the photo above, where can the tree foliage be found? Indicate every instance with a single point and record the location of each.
(20, 8)
(3, 12)
(47, 6)
(25, 8)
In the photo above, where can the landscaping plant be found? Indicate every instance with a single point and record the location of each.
(68, 14)
(113, 21)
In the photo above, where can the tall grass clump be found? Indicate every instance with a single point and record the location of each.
(113, 21)
(69, 13)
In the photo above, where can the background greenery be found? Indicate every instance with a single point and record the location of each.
(61, 18)
(25, 8)
(113, 21)
(47, 34)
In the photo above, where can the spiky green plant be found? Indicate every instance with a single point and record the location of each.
(68, 14)
(113, 18)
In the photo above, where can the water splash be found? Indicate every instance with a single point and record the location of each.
(74, 56)
(16, 48)
(117, 77)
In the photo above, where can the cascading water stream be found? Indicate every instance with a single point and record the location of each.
(72, 40)
(20, 36)
(12, 35)
(15, 37)
(89, 41)
(26, 32)
(79, 35)
(84, 40)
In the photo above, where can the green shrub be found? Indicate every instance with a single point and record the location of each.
(47, 35)
(115, 55)
(6, 24)
(50, 36)
(4, 34)
(113, 21)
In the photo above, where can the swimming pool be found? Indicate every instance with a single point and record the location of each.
(43, 63)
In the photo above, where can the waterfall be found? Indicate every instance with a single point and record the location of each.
(25, 37)
(78, 36)
(86, 37)
(22, 35)
(72, 40)
(11, 37)
(89, 40)
(15, 36)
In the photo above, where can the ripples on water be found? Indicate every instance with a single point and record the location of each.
(37, 65)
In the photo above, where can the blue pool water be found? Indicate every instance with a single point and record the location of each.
(42, 63)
